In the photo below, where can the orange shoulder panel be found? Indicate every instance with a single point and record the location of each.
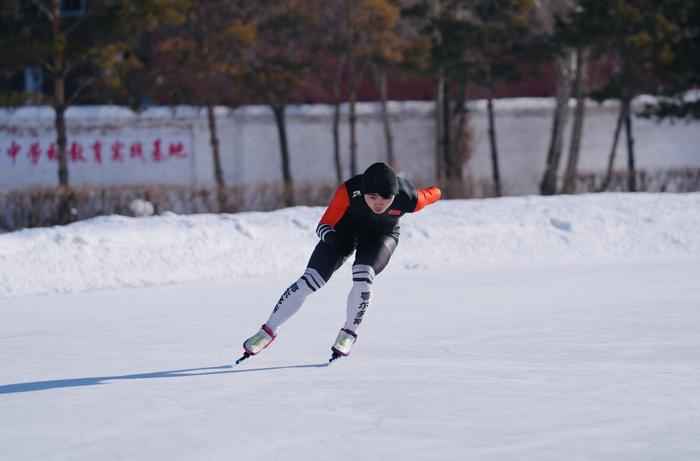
(336, 210)
(427, 196)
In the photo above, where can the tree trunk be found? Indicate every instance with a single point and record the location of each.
(59, 96)
(336, 142)
(577, 129)
(446, 130)
(65, 211)
(355, 80)
(460, 144)
(336, 120)
(353, 133)
(279, 110)
(439, 127)
(218, 171)
(61, 136)
(631, 171)
(613, 150)
(65, 195)
(382, 82)
(492, 142)
(548, 186)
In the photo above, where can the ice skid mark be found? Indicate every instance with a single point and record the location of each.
(561, 225)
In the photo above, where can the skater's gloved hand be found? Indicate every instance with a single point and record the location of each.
(344, 243)
(330, 237)
(326, 233)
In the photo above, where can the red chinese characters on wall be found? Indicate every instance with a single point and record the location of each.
(13, 151)
(177, 150)
(157, 154)
(51, 152)
(136, 150)
(34, 153)
(76, 152)
(117, 151)
(98, 152)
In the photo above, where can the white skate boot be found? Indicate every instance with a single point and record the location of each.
(257, 342)
(343, 344)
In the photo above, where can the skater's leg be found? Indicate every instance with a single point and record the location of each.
(324, 261)
(359, 296)
(372, 257)
(293, 298)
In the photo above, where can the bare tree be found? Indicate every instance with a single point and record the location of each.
(202, 52)
(381, 80)
(370, 38)
(280, 64)
(577, 127)
(622, 116)
(547, 13)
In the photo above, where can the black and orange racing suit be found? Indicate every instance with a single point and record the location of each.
(350, 224)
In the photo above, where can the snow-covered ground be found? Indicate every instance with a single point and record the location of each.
(524, 328)
(118, 251)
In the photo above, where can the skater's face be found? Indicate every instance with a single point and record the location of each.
(377, 203)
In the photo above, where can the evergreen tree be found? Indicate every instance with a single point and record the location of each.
(679, 72)
(634, 34)
(498, 32)
(441, 24)
(473, 41)
(78, 53)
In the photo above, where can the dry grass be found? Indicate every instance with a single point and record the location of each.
(40, 207)
(679, 181)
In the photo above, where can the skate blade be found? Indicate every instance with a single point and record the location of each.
(334, 358)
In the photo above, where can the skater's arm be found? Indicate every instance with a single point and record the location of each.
(427, 196)
(326, 226)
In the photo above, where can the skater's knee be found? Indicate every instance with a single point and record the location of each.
(311, 279)
(363, 275)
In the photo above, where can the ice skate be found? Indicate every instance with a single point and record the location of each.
(344, 342)
(257, 342)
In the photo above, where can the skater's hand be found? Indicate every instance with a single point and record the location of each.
(330, 237)
(343, 244)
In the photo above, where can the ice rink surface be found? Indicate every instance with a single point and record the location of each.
(594, 360)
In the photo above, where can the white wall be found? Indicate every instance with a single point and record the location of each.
(250, 146)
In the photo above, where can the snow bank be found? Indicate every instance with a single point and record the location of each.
(117, 251)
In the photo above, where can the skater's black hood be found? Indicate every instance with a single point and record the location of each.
(380, 179)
